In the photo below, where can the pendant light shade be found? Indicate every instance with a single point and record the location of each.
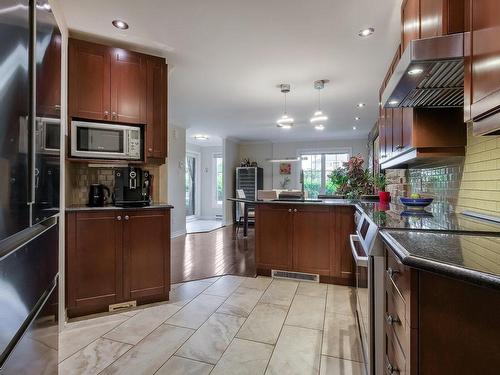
(285, 121)
(319, 117)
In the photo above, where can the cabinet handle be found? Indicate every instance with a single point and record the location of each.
(399, 147)
(113, 115)
(294, 210)
(57, 107)
(391, 369)
(118, 218)
(106, 113)
(289, 210)
(150, 149)
(126, 217)
(391, 320)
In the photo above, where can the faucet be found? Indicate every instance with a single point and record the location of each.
(303, 193)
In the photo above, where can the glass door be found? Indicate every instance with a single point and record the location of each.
(191, 186)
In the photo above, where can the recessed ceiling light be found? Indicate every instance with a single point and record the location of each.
(201, 137)
(366, 32)
(319, 127)
(356, 118)
(415, 71)
(361, 105)
(119, 24)
(353, 128)
(393, 102)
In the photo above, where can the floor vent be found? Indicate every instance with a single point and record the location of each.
(295, 276)
(123, 305)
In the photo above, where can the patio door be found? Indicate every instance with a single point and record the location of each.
(192, 185)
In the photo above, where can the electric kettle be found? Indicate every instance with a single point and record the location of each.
(97, 197)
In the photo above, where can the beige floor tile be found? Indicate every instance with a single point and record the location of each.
(341, 337)
(31, 357)
(185, 292)
(152, 352)
(264, 323)
(77, 335)
(93, 358)
(341, 299)
(241, 302)
(337, 366)
(183, 366)
(244, 357)
(280, 292)
(196, 312)
(259, 282)
(312, 289)
(307, 312)
(225, 286)
(142, 324)
(297, 352)
(209, 342)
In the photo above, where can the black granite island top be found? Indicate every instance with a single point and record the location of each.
(83, 207)
(467, 257)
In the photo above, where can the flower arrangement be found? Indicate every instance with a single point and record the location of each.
(352, 180)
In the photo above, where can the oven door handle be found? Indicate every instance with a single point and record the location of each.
(361, 261)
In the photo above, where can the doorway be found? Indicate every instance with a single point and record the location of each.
(192, 188)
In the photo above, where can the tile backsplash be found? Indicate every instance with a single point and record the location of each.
(471, 183)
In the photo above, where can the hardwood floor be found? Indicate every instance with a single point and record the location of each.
(220, 252)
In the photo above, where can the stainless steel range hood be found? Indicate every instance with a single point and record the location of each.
(429, 74)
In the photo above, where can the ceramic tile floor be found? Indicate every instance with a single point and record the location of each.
(223, 325)
(201, 225)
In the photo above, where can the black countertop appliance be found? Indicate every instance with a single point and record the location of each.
(97, 195)
(132, 187)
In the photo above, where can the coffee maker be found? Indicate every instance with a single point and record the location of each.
(132, 187)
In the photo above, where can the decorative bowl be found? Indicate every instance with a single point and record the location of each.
(416, 204)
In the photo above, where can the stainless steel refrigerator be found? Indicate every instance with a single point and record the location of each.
(30, 66)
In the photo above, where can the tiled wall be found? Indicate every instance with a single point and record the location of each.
(470, 183)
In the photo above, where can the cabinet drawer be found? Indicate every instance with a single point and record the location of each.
(395, 362)
(395, 316)
(398, 274)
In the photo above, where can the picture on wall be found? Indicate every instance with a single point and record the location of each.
(285, 168)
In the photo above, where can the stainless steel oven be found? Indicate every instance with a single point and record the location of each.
(106, 141)
(367, 252)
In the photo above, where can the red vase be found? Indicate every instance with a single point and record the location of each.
(384, 196)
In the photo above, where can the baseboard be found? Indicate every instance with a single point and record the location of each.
(178, 233)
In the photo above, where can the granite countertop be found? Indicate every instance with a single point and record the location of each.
(83, 207)
(467, 257)
(315, 202)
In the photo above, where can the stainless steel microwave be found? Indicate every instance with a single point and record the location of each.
(105, 141)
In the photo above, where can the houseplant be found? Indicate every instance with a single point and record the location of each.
(352, 180)
(380, 182)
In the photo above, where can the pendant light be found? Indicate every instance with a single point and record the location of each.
(319, 117)
(284, 122)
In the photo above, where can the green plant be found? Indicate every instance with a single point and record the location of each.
(351, 179)
(380, 182)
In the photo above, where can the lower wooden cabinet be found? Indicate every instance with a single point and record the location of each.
(114, 256)
(305, 238)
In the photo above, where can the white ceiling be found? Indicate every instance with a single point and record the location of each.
(227, 56)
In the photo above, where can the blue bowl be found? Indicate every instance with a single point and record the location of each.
(419, 203)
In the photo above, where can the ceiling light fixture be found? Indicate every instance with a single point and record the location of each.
(366, 32)
(415, 71)
(319, 116)
(393, 102)
(119, 24)
(284, 122)
(357, 118)
(319, 127)
(201, 137)
(361, 105)
(353, 128)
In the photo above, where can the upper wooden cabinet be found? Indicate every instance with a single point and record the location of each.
(48, 80)
(410, 19)
(484, 51)
(156, 137)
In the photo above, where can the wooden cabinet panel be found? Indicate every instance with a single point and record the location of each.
(410, 18)
(94, 259)
(48, 80)
(343, 266)
(388, 132)
(89, 80)
(156, 137)
(128, 86)
(397, 130)
(273, 240)
(311, 239)
(146, 249)
(407, 129)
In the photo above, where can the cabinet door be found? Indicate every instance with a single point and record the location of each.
(311, 239)
(128, 86)
(156, 131)
(485, 53)
(410, 18)
(48, 79)
(89, 80)
(342, 265)
(273, 237)
(388, 133)
(94, 260)
(397, 131)
(407, 130)
(146, 247)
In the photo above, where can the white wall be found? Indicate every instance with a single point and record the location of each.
(177, 178)
(259, 152)
(231, 161)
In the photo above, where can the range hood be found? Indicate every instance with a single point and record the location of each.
(429, 74)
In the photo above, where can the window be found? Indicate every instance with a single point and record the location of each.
(219, 179)
(190, 185)
(317, 167)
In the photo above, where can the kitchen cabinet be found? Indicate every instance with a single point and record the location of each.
(425, 311)
(410, 20)
(305, 238)
(48, 80)
(156, 132)
(485, 73)
(115, 256)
